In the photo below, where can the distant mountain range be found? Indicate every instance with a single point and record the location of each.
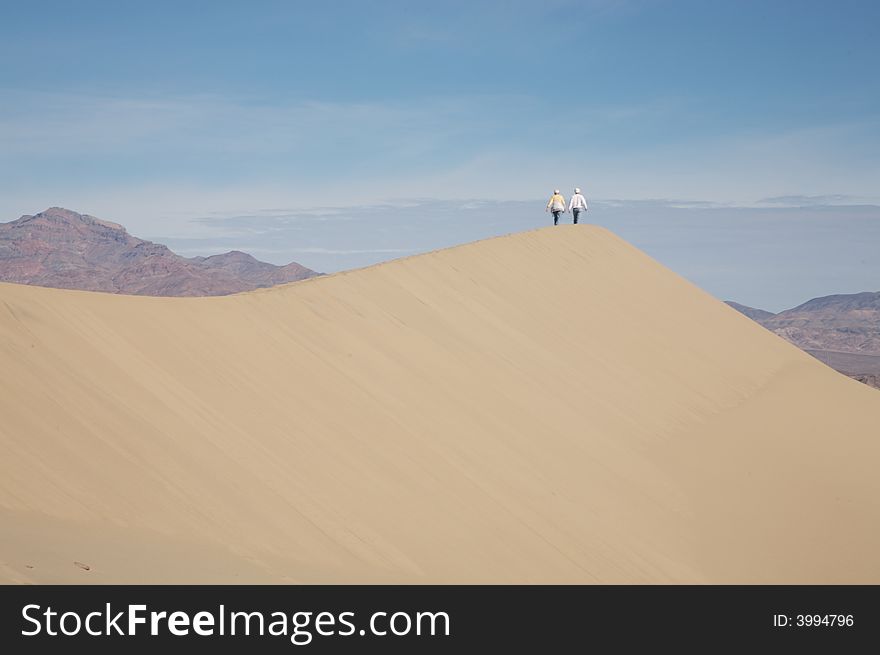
(63, 249)
(842, 330)
(751, 312)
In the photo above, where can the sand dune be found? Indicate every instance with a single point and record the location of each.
(552, 406)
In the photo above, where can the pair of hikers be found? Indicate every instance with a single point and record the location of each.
(556, 206)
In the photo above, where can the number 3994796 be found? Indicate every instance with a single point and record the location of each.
(813, 620)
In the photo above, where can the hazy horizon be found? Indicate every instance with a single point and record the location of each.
(750, 254)
(747, 254)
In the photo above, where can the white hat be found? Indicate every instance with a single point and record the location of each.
(576, 190)
(556, 191)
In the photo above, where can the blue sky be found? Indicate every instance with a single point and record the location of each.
(185, 119)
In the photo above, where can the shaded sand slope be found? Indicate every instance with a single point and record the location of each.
(552, 406)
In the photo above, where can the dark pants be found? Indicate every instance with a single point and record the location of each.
(556, 216)
(575, 212)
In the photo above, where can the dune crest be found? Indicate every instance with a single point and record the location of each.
(550, 406)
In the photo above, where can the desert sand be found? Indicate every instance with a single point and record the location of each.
(547, 407)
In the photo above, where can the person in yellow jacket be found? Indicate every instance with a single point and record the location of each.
(556, 206)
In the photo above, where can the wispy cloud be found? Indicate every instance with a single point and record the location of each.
(354, 251)
(31, 123)
(812, 201)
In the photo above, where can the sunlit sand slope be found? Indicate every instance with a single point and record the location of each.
(551, 406)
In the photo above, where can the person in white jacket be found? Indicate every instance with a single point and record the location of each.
(577, 204)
